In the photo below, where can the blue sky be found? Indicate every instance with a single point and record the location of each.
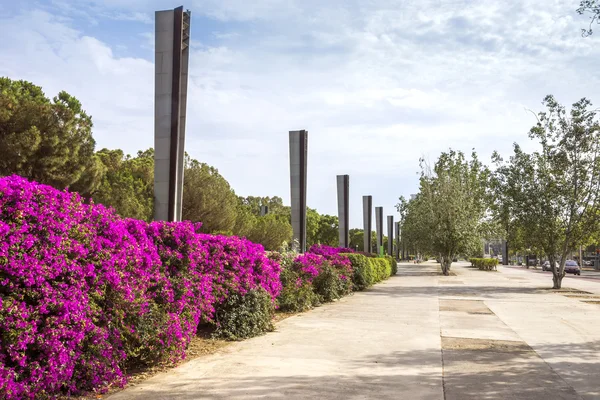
(377, 83)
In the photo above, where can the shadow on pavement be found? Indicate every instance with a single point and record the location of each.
(515, 372)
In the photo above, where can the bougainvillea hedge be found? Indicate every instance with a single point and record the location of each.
(85, 293)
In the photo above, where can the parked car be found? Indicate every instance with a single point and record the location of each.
(546, 266)
(588, 263)
(571, 267)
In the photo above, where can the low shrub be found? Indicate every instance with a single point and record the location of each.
(297, 295)
(485, 264)
(330, 284)
(362, 276)
(393, 264)
(381, 269)
(244, 316)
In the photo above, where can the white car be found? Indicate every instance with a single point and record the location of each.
(546, 266)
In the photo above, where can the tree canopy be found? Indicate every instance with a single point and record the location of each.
(49, 141)
(555, 198)
(448, 215)
(592, 8)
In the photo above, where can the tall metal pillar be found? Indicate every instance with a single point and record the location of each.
(171, 58)
(505, 252)
(397, 240)
(298, 171)
(379, 227)
(390, 229)
(343, 198)
(367, 222)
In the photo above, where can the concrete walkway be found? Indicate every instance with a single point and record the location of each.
(419, 335)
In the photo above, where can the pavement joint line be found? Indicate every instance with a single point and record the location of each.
(441, 348)
(539, 355)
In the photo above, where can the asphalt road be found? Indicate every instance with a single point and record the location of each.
(585, 274)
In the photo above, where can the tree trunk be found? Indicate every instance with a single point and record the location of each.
(557, 273)
(445, 266)
(557, 280)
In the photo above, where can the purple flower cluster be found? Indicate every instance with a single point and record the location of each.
(335, 257)
(85, 293)
(326, 251)
(310, 264)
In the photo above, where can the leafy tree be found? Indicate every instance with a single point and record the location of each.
(558, 193)
(275, 205)
(327, 231)
(208, 198)
(356, 239)
(128, 183)
(589, 7)
(49, 141)
(271, 231)
(312, 226)
(448, 214)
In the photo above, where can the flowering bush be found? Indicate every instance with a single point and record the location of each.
(85, 293)
(330, 273)
(324, 250)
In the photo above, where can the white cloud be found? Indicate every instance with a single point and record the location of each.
(377, 83)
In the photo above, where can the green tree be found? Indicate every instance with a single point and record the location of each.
(208, 198)
(356, 239)
(128, 183)
(327, 231)
(558, 196)
(275, 205)
(591, 7)
(271, 231)
(448, 214)
(49, 141)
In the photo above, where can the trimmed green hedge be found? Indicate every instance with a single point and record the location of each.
(382, 268)
(393, 264)
(484, 264)
(362, 276)
(370, 270)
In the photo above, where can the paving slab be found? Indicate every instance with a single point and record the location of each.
(476, 369)
(379, 344)
(419, 335)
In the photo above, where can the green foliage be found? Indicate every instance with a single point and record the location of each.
(49, 141)
(589, 7)
(208, 198)
(380, 269)
(393, 264)
(447, 217)
(370, 270)
(362, 276)
(329, 285)
(271, 230)
(486, 264)
(553, 196)
(321, 229)
(327, 231)
(296, 295)
(128, 183)
(357, 239)
(241, 317)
